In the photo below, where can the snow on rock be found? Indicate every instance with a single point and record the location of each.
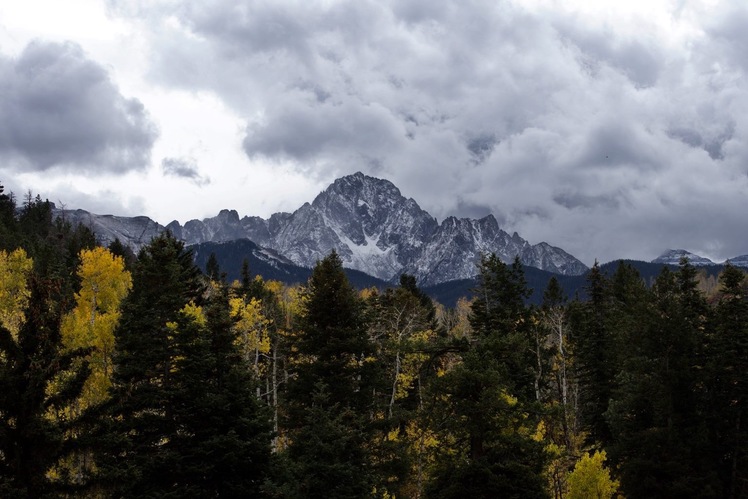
(370, 224)
(673, 257)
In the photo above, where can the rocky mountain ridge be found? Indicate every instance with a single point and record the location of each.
(372, 226)
(673, 256)
(375, 229)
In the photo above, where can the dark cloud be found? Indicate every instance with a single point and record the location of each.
(183, 168)
(601, 136)
(615, 144)
(639, 60)
(60, 109)
(712, 145)
(308, 133)
(572, 200)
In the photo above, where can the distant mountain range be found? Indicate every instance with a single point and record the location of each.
(373, 227)
(672, 257)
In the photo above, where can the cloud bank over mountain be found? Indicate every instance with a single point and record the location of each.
(614, 131)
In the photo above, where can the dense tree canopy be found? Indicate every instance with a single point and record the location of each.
(139, 376)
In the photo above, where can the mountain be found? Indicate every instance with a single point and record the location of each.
(672, 257)
(373, 227)
(376, 230)
(740, 261)
(133, 231)
(266, 263)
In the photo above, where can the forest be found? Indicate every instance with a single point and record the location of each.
(126, 375)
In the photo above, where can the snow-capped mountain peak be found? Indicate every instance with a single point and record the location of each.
(673, 257)
(375, 229)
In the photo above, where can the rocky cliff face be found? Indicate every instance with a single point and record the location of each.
(133, 231)
(375, 229)
(372, 226)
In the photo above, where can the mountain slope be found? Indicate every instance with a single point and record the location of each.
(372, 226)
(673, 256)
(375, 229)
(230, 256)
(135, 232)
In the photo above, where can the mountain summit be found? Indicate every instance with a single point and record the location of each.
(372, 226)
(375, 229)
(673, 257)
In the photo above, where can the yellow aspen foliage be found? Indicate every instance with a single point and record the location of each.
(461, 327)
(252, 328)
(591, 479)
(368, 293)
(14, 294)
(291, 303)
(104, 284)
(410, 359)
(195, 313)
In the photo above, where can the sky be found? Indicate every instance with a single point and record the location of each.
(610, 129)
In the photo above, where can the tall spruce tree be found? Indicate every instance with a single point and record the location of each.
(329, 398)
(727, 379)
(491, 409)
(183, 420)
(593, 340)
(8, 225)
(38, 380)
(221, 446)
(132, 459)
(658, 435)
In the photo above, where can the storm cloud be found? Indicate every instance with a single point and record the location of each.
(610, 133)
(61, 110)
(184, 168)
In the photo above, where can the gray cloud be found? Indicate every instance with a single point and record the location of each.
(60, 109)
(184, 168)
(727, 31)
(605, 139)
(640, 60)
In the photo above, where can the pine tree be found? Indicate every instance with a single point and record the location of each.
(727, 378)
(491, 409)
(593, 341)
(132, 459)
(330, 394)
(8, 224)
(212, 269)
(38, 380)
(221, 446)
(658, 434)
(501, 319)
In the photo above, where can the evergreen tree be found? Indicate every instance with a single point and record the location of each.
(221, 446)
(8, 225)
(125, 252)
(593, 340)
(727, 379)
(330, 394)
(501, 318)
(132, 458)
(491, 410)
(658, 434)
(212, 269)
(37, 381)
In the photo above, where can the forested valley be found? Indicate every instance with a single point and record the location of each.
(127, 375)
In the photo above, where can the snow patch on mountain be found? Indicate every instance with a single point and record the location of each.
(740, 261)
(673, 257)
